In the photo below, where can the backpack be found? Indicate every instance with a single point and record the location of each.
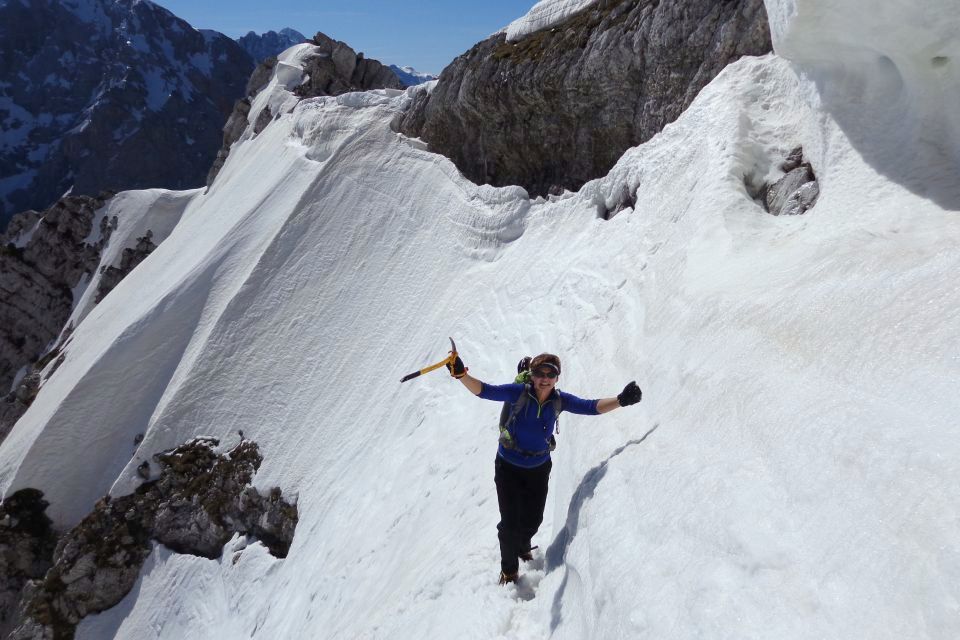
(510, 411)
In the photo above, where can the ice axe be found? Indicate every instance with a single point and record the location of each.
(448, 360)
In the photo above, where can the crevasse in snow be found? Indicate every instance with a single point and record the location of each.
(801, 373)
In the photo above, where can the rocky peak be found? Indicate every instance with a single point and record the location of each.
(559, 106)
(335, 68)
(331, 68)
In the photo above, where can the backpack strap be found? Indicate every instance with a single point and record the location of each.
(510, 411)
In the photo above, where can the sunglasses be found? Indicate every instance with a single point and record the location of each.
(544, 373)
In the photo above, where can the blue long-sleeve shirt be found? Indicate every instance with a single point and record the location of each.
(535, 424)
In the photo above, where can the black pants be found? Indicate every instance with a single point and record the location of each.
(522, 495)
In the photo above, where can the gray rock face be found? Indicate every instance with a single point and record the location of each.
(37, 278)
(270, 44)
(560, 106)
(27, 542)
(796, 192)
(111, 276)
(16, 403)
(198, 502)
(101, 95)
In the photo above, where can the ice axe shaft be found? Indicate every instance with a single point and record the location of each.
(448, 360)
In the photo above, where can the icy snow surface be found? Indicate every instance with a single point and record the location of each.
(544, 14)
(802, 372)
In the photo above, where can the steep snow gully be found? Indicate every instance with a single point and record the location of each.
(801, 371)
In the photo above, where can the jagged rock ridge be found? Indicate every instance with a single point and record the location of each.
(101, 95)
(559, 107)
(336, 68)
(199, 500)
(332, 69)
(38, 272)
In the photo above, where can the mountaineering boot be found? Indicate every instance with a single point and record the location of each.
(527, 555)
(507, 578)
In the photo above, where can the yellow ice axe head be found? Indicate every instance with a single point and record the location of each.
(450, 359)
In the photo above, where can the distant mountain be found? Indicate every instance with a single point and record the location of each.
(265, 45)
(100, 94)
(410, 76)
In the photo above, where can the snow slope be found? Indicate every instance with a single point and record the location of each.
(801, 373)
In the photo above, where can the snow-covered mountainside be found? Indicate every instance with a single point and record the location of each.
(790, 472)
(97, 94)
(411, 77)
(260, 46)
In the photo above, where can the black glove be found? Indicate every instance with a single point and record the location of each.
(456, 368)
(631, 394)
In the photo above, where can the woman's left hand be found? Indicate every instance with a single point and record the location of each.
(631, 394)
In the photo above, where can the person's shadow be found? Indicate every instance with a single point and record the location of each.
(557, 551)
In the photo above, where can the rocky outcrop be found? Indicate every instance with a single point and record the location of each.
(797, 191)
(335, 68)
(16, 403)
(110, 276)
(270, 44)
(332, 69)
(27, 542)
(558, 107)
(39, 267)
(198, 501)
(794, 193)
(106, 94)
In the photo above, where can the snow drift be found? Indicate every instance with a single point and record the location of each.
(801, 372)
(544, 14)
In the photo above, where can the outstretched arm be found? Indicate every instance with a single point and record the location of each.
(472, 383)
(607, 404)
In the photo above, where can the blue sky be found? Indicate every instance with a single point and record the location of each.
(425, 34)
